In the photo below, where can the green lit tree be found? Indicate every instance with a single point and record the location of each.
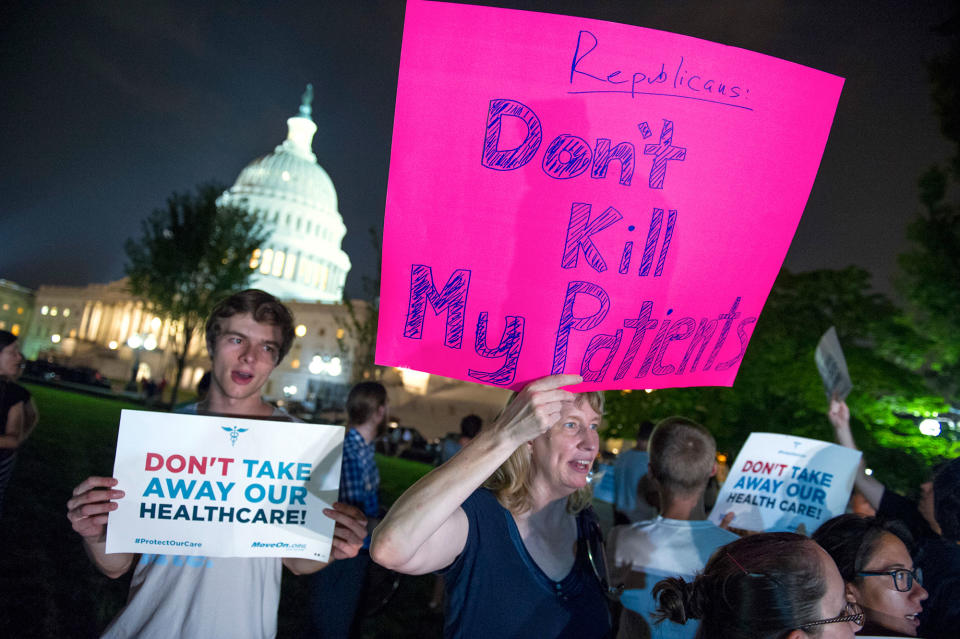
(189, 255)
(778, 388)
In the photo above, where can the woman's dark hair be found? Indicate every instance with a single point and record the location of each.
(6, 339)
(946, 500)
(852, 539)
(761, 586)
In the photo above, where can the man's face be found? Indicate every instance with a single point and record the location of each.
(244, 355)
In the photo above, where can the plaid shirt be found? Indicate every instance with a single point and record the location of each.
(359, 477)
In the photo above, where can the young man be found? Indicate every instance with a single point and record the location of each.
(247, 335)
(679, 542)
(334, 594)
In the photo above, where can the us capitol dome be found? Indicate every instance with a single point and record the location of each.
(302, 260)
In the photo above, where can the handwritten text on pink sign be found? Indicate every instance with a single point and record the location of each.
(599, 199)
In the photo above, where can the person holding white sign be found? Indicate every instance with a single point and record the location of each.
(507, 521)
(247, 335)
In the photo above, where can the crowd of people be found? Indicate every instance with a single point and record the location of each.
(506, 523)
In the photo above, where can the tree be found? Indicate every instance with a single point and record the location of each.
(931, 267)
(778, 388)
(191, 254)
(363, 317)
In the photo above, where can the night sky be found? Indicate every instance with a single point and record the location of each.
(108, 107)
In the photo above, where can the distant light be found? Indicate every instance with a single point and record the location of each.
(150, 342)
(290, 390)
(328, 366)
(66, 312)
(615, 451)
(286, 176)
(867, 471)
(721, 458)
(295, 363)
(647, 390)
(113, 345)
(55, 338)
(394, 423)
(301, 330)
(156, 323)
(930, 427)
(135, 341)
(44, 310)
(53, 312)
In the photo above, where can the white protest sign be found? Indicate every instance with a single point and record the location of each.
(224, 486)
(781, 481)
(832, 365)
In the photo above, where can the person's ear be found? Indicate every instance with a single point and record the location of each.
(853, 594)
(796, 634)
(713, 471)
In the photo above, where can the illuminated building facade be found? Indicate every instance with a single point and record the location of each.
(295, 197)
(16, 307)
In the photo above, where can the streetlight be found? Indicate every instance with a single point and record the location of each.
(138, 344)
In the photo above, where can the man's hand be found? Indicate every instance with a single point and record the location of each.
(92, 500)
(349, 532)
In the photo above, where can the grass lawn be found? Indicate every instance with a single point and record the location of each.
(48, 588)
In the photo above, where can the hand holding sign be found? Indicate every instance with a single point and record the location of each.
(349, 531)
(92, 500)
(536, 408)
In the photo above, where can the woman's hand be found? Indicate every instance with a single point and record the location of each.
(538, 406)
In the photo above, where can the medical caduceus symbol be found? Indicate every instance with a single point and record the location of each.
(234, 433)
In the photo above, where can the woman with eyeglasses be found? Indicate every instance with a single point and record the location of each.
(18, 415)
(878, 570)
(764, 586)
(507, 522)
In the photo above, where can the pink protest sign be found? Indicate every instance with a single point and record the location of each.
(572, 195)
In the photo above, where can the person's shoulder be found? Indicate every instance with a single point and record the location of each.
(15, 391)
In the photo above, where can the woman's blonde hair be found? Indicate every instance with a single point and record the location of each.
(511, 482)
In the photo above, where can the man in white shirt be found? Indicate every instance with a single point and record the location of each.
(679, 542)
(248, 335)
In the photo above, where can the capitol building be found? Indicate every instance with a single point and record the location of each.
(303, 260)
(104, 327)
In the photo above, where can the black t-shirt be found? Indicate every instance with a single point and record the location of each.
(11, 394)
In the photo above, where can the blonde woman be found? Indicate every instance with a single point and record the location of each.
(507, 522)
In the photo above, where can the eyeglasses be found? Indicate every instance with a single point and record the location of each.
(853, 614)
(902, 579)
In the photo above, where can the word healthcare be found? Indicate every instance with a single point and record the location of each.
(695, 341)
(209, 497)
